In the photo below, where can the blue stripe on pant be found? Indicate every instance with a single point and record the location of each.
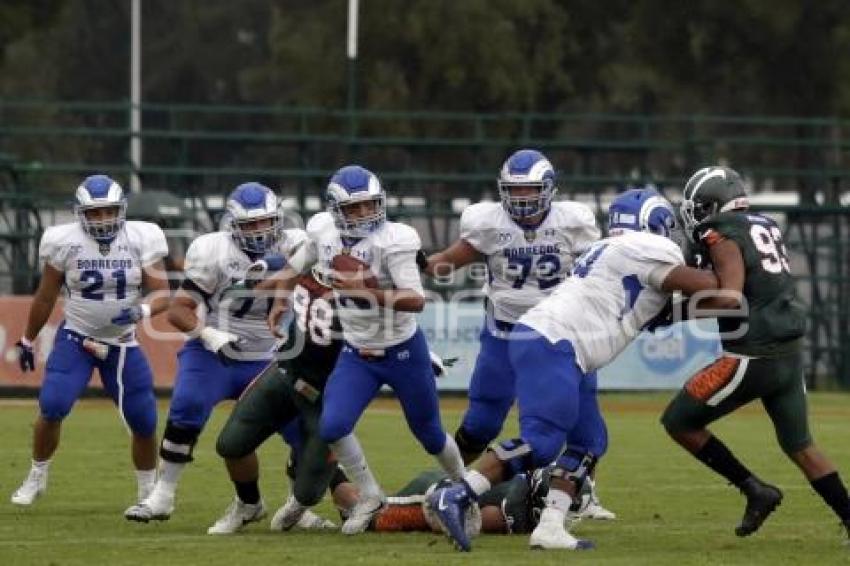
(355, 381)
(556, 399)
(69, 370)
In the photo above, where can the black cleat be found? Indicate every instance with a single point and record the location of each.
(762, 500)
(847, 528)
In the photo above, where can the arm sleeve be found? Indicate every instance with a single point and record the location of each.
(474, 232)
(658, 274)
(200, 266)
(155, 246)
(586, 231)
(404, 271)
(302, 255)
(51, 250)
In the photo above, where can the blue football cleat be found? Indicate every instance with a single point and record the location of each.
(449, 505)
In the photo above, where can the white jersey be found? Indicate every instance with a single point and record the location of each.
(613, 293)
(390, 252)
(101, 280)
(524, 266)
(213, 263)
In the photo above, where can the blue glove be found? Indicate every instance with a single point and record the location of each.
(129, 315)
(274, 263)
(258, 270)
(26, 356)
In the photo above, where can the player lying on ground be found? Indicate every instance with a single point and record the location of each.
(616, 288)
(230, 344)
(377, 303)
(102, 263)
(509, 507)
(761, 336)
(528, 243)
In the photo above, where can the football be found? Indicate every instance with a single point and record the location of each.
(346, 266)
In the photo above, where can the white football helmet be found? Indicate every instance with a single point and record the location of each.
(100, 191)
(527, 168)
(248, 203)
(350, 185)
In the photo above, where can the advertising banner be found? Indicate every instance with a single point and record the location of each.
(663, 360)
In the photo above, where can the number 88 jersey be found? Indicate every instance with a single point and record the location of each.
(315, 335)
(524, 265)
(774, 315)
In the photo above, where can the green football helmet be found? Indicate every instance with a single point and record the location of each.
(710, 191)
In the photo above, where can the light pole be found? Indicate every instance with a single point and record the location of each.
(135, 94)
(351, 53)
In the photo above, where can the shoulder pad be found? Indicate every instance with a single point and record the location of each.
(396, 237)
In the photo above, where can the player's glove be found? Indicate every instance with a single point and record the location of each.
(261, 268)
(217, 341)
(422, 260)
(439, 364)
(26, 356)
(132, 315)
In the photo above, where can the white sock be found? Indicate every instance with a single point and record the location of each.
(40, 466)
(552, 515)
(169, 476)
(350, 456)
(476, 481)
(450, 459)
(557, 499)
(145, 480)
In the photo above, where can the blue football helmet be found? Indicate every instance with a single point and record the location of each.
(248, 203)
(642, 210)
(100, 191)
(351, 185)
(524, 168)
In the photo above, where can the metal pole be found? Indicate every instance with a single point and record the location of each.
(351, 52)
(135, 94)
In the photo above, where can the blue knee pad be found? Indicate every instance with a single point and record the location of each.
(515, 455)
(574, 465)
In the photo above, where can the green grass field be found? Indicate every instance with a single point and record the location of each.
(671, 510)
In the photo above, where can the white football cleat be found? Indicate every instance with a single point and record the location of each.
(33, 486)
(594, 509)
(313, 522)
(362, 514)
(157, 507)
(597, 512)
(550, 533)
(288, 515)
(237, 515)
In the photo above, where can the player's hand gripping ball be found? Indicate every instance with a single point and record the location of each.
(349, 273)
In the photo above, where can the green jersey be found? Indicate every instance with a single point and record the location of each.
(773, 319)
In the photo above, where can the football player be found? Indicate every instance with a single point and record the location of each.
(761, 338)
(616, 288)
(383, 343)
(509, 507)
(528, 243)
(230, 344)
(279, 396)
(100, 264)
